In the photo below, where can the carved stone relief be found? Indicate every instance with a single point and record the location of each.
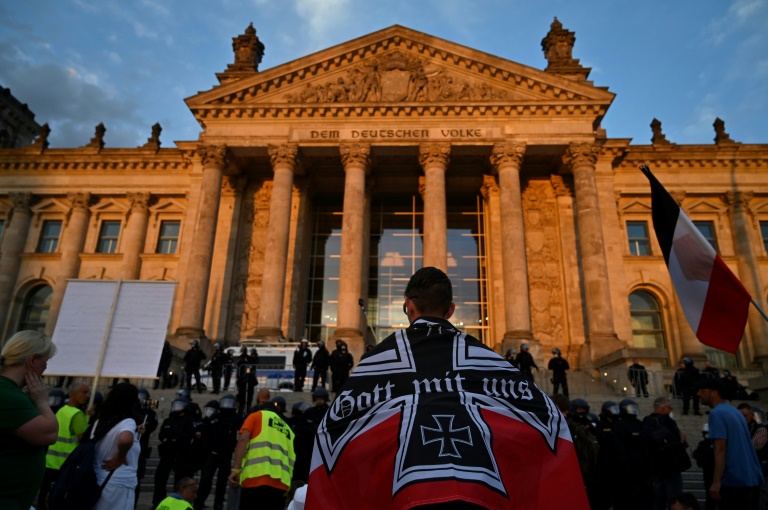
(255, 250)
(395, 77)
(547, 297)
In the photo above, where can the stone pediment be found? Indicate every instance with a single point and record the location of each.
(399, 67)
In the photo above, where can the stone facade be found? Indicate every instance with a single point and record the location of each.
(231, 217)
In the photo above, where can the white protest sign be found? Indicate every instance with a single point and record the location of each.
(136, 313)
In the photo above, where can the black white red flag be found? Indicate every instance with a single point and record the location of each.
(432, 415)
(714, 301)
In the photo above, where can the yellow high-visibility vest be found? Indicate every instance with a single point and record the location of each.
(66, 442)
(271, 452)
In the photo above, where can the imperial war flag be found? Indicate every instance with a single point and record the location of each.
(432, 415)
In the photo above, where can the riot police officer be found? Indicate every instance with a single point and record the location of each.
(632, 458)
(192, 360)
(302, 357)
(218, 361)
(510, 356)
(177, 433)
(305, 433)
(219, 437)
(559, 366)
(320, 363)
(246, 378)
(525, 362)
(229, 366)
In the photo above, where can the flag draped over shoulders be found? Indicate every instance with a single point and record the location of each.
(432, 415)
(714, 301)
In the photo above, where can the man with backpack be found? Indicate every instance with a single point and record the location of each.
(667, 449)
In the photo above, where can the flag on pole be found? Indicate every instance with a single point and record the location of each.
(713, 300)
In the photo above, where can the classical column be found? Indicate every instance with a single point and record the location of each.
(356, 160)
(214, 159)
(72, 243)
(13, 244)
(135, 236)
(434, 159)
(273, 282)
(507, 158)
(748, 270)
(601, 336)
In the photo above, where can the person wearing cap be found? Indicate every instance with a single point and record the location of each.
(264, 459)
(737, 475)
(320, 363)
(192, 360)
(559, 366)
(302, 357)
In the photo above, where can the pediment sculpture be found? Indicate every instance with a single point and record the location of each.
(396, 77)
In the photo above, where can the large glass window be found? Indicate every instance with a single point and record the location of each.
(168, 240)
(35, 312)
(49, 236)
(707, 229)
(396, 237)
(108, 236)
(325, 258)
(647, 324)
(637, 233)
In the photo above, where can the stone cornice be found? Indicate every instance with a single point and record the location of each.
(107, 160)
(402, 110)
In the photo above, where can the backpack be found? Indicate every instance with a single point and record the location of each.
(668, 454)
(587, 449)
(76, 486)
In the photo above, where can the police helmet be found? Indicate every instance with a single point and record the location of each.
(217, 346)
(278, 403)
(253, 351)
(211, 408)
(143, 394)
(629, 407)
(556, 351)
(304, 341)
(610, 408)
(194, 343)
(343, 347)
(726, 373)
(179, 404)
(524, 347)
(228, 402)
(320, 343)
(243, 350)
(579, 403)
(299, 408)
(510, 353)
(184, 393)
(688, 361)
(56, 398)
(321, 393)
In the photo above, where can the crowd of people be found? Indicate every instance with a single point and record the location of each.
(622, 460)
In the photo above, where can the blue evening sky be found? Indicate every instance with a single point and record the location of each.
(130, 63)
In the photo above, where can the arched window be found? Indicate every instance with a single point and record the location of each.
(36, 305)
(647, 325)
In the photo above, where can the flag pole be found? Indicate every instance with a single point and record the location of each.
(760, 310)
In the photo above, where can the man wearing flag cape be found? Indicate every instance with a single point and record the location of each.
(433, 418)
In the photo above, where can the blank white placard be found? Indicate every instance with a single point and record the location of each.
(138, 330)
